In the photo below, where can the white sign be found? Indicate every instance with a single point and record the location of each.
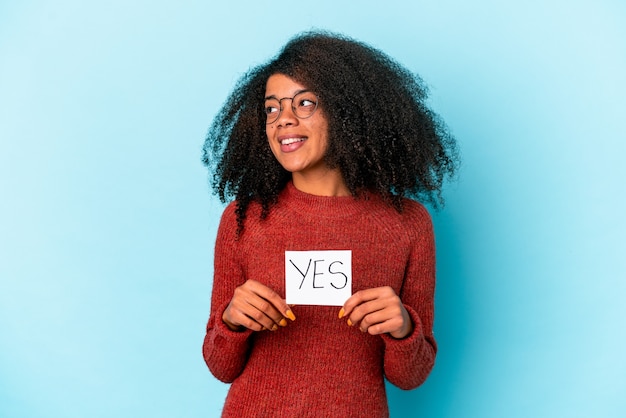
(318, 277)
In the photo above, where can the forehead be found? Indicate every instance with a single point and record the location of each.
(280, 85)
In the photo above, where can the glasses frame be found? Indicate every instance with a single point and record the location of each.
(293, 108)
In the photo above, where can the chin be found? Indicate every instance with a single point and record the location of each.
(292, 167)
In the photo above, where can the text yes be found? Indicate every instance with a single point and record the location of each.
(318, 277)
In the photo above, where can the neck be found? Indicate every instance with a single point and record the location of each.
(327, 183)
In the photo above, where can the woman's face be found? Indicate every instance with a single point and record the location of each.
(298, 144)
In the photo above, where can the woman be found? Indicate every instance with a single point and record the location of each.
(322, 148)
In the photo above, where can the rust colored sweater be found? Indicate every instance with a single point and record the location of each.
(318, 366)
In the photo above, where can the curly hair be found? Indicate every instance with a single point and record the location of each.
(382, 136)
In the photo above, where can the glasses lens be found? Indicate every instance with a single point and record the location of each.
(272, 110)
(304, 104)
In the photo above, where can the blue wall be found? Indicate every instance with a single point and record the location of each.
(107, 226)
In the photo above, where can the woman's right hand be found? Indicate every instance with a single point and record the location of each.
(257, 307)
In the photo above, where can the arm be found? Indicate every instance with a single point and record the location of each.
(409, 361)
(238, 306)
(225, 351)
(403, 320)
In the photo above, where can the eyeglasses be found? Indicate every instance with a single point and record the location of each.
(303, 105)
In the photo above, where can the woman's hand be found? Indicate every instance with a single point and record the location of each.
(378, 311)
(257, 307)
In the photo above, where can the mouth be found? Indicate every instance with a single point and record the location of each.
(289, 141)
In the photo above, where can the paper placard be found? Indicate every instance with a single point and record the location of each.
(318, 277)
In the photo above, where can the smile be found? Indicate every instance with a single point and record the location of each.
(289, 141)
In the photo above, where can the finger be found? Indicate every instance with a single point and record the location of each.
(237, 319)
(267, 301)
(368, 302)
(363, 296)
(274, 299)
(247, 308)
(383, 321)
(358, 314)
(264, 313)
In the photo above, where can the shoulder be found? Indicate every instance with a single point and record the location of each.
(412, 211)
(229, 215)
(411, 222)
(415, 211)
(229, 225)
(228, 222)
(230, 212)
(415, 218)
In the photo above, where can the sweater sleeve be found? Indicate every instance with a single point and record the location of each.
(408, 361)
(225, 351)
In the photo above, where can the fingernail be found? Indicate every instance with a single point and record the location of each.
(283, 322)
(290, 315)
(349, 322)
(341, 313)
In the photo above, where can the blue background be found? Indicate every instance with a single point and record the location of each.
(107, 225)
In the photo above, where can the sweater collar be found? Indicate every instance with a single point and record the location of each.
(322, 206)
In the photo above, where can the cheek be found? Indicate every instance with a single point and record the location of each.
(323, 129)
(271, 144)
(268, 134)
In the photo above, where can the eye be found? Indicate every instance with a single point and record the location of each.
(271, 107)
(306, 101)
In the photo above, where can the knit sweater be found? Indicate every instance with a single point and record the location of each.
(318, 366)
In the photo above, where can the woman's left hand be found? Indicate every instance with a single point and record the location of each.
(378, 311)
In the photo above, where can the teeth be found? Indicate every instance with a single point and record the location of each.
(291, 140)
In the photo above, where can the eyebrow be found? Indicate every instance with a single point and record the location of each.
(294, 95)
